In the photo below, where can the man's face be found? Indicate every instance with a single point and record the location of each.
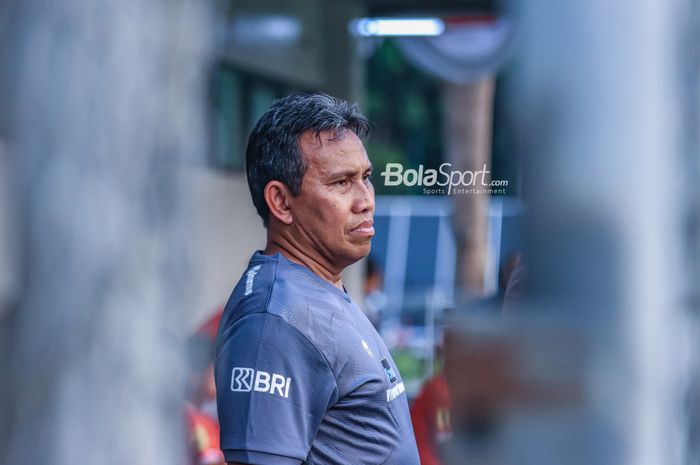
(333, 214)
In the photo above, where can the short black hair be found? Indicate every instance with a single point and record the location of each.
(273, 151)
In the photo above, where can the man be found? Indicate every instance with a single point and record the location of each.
(301, 374)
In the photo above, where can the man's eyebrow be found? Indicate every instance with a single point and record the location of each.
(349, 172)
(343, 174)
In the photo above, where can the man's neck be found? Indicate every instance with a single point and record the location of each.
(294, 254)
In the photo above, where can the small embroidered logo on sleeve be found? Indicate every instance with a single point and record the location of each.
(249, 278)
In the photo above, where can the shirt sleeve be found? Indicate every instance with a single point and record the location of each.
(273, 388)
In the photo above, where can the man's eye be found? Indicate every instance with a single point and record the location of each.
(342, 182)
(367, 177)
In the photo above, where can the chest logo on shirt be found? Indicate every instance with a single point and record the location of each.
(388, 370)
(247, 379)
(367, 349)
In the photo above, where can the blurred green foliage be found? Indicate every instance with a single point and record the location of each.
(410, 366)
(405, 106)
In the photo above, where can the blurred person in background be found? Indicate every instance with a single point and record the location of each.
(492, 375)
(200, 406)
(516, 288)
(480, 373)
(302, 376)
(430, 414)
(506, 271)
(375, 298)
(471, 392)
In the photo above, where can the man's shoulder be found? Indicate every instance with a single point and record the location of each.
(253, 291)
(270, 286)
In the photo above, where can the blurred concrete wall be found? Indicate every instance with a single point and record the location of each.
(600, 106)
(222, 229)
(102, 103)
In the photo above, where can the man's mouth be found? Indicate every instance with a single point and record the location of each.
(366, 228)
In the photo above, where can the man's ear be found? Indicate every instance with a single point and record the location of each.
(277, 196)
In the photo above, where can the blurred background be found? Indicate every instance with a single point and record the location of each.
(551, 318)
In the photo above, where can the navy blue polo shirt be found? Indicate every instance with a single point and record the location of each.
(303, 377)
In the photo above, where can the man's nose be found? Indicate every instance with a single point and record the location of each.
(364, 198)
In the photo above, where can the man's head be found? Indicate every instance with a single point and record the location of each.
(308, 174)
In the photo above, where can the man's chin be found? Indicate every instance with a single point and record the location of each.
(358, 252)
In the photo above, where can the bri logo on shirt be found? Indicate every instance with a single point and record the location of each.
(247, 379)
